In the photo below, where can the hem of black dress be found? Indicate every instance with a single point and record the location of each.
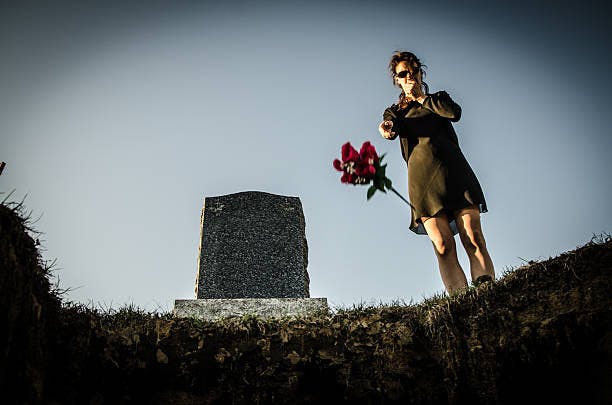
(420, 228)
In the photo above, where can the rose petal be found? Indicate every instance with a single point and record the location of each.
(349, 154)
(368, 151)
(345, 177)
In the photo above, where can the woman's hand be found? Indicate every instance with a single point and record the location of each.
(385, 129)
(416, 92)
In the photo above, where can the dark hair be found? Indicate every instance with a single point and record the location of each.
(414, 66)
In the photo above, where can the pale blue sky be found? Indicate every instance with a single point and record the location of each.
(117, 121)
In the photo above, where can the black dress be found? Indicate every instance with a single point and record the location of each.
(439, 176)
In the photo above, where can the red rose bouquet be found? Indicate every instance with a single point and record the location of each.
(364, 167)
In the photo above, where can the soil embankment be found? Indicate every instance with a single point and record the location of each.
(539, 333)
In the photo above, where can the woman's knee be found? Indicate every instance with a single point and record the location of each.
(473, 240)
(440, 233)
(444, 245)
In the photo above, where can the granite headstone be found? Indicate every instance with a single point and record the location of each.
(252, 245)
(252, 259)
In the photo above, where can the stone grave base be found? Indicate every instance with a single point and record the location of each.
(215, 309)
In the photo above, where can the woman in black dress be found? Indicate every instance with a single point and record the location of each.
(445, 195)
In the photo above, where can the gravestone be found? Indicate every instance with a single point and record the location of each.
(253, 259)
(252, 245)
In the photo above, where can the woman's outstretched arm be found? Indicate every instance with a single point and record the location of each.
(386, 128)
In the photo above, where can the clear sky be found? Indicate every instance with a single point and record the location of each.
(118, 120)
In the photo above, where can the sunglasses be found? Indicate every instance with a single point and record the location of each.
(402, 74)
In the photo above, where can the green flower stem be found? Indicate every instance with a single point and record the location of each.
(400, 196)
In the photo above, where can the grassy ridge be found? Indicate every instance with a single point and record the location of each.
(541, 332)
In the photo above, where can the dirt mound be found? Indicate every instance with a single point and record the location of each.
(27, 307)
(539, 333)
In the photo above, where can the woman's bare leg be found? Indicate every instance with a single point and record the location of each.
(472, 238)
(438, 230)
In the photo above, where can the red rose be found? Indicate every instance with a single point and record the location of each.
(364, 167)
(368, 153)
(365, 170)
(349, 154)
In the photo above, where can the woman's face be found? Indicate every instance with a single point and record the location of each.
(408, 81)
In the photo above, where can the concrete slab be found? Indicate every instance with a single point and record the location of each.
(215, 309)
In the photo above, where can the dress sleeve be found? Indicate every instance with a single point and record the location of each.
(390, 115)
(441, 103)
